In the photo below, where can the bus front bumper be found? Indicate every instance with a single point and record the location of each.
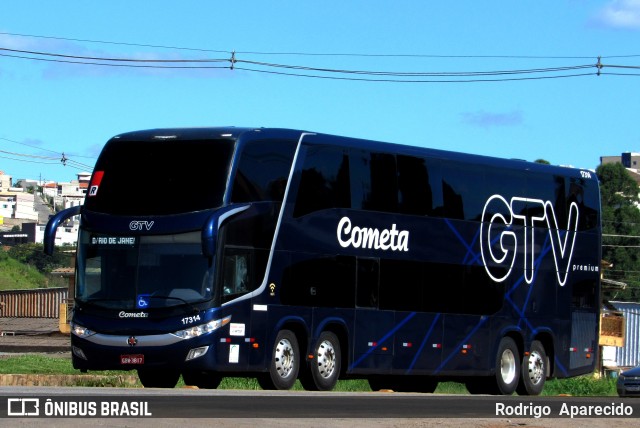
(129, 352)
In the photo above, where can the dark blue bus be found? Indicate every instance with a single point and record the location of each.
(284, 255)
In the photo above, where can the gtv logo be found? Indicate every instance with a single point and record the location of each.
(499, 244)
(140, 225)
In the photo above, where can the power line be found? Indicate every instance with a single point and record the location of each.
(109, 64)
(389, 80)
(46, 160)
(111, 43)
(324, 72)
(29, 145)
(311, 54)
(317, 72)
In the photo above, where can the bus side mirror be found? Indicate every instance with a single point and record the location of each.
(52, 227)
(212, 225)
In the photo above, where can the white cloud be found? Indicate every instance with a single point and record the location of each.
(620, 14)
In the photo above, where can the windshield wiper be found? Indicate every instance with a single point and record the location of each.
(184, 302)
(95, 302)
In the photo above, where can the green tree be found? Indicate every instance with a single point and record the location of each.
(33, 254)
(620, 223)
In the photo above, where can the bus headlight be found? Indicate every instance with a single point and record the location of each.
(81, 331)
(199, 330)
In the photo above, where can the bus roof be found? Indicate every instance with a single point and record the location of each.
(236, 133)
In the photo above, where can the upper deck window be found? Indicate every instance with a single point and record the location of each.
(263, 171)
(160, 177)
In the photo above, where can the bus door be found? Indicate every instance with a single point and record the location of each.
(374, 328)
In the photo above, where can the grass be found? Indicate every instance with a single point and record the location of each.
(61, 365)
(18, 276)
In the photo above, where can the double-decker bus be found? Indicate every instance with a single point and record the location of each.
(284, 255)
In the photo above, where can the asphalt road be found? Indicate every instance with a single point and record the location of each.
(161, 408)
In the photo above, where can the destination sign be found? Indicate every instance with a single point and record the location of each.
(113, 240)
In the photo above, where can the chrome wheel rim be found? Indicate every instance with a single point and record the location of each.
(508, 366)
(284, 358)
(535, 366)
(326, 357)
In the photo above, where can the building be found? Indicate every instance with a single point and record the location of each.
(630, 160)
(18, 208)
(5, 182)
(67, 234)
(72, 193)
(627, 355)
(15, 203)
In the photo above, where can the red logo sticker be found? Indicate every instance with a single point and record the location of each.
(95, 183)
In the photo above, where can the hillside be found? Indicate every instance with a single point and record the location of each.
(18, 276)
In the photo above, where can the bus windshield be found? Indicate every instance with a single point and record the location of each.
(142, 272)
(159, 177)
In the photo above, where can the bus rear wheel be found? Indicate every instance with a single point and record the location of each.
(507, 366)
(324, 368)
(534, 371)
(150, 378)
(285, 363)
(507, 372)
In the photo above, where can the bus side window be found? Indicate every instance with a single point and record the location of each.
(367, 283)
(237, 272)
(324, 183)
(374, 181)
(414, 189)
(263, 171)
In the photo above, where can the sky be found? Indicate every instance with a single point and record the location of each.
(505, 79)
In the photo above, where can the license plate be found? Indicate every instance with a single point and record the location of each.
(132, 359)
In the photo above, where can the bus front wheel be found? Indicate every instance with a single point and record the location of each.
(285, 363)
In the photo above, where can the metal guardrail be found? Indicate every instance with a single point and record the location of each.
(33, 303)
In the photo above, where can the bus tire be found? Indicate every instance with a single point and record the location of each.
(150, 378)
(534, 370)
(201, 379)
(507, 367)
(285, 363)
(326, 363)
(507, 372)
